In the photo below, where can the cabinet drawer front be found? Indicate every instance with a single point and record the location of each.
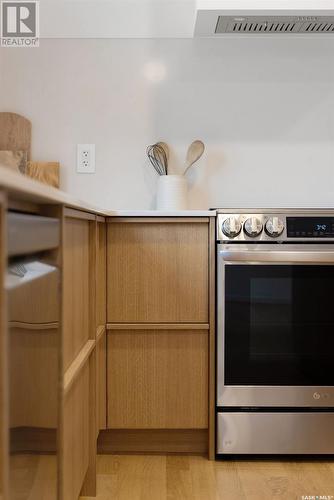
(157, 272)
(157, 379)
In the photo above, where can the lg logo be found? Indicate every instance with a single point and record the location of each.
(19, 23)
(317, 395)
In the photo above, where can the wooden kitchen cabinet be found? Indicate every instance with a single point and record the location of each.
(34, 347)
(101, 381)
(160, 335)
(158, 379)
(76, 287)
(101, 278)
(80, 251)
(76, 435)
(157, 271)
(101, 304)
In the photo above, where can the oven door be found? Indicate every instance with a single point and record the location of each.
(275, 325)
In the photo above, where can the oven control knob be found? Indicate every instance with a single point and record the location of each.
(274, 227)
(231, 227)
(253, 227)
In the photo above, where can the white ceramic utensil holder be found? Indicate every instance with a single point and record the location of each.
(172, 192)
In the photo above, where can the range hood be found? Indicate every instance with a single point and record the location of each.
(217, 18)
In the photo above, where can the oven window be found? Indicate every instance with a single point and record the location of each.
(279, 325)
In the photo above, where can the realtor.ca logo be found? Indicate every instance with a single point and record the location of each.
(20, 23)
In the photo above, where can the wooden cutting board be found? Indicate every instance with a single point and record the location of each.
(46, 172)
(15, 133)
(15, 160)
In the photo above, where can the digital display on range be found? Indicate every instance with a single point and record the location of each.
(310, 227)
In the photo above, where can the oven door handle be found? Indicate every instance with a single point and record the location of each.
(278, 256)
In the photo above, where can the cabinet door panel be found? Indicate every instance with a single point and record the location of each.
(76, 287)
(101, 286)
(157, 379)
(158, 272)
(101, 383)
(76, 432)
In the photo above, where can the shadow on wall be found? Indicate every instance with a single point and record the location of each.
(209, 170)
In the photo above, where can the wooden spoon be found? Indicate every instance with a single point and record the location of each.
(195, 151)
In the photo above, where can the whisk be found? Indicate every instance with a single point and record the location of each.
(158, 156)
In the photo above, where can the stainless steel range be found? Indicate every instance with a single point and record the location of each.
(275, 347)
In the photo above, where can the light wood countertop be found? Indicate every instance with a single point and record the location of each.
(30, 190)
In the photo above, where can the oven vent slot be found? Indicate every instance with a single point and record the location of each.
(277, 25)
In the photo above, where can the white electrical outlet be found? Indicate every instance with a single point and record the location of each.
(86, 159)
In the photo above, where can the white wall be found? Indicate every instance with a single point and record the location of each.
(264, 108)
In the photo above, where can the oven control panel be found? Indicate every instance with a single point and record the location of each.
(273, 226)
(310, 227)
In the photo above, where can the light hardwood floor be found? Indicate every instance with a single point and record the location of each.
(33, 477)
(142, 477)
